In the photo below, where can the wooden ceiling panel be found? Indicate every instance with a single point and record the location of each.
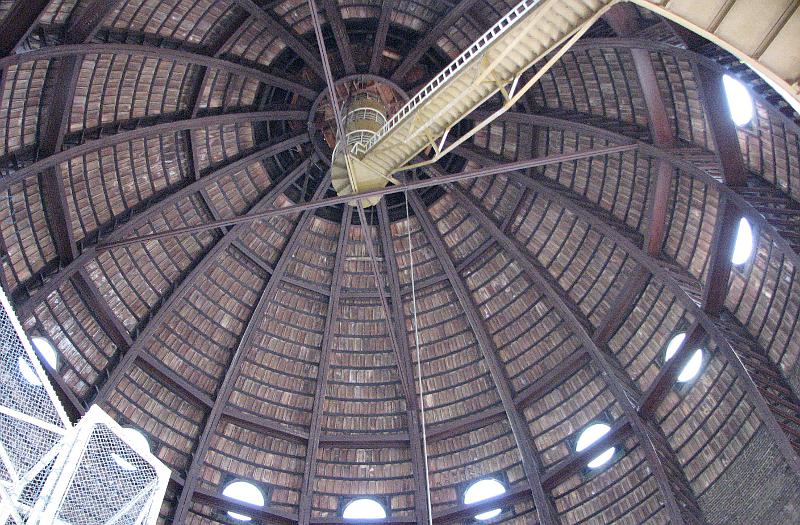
(459, 459)
(456, 381)
(529, 335)
(589, 267)
(133, 280)
(227, 92)
(384, 474)
(625, 491)
(256, 44)
(196, 337)
(618, 184)
(574, 85)
(764, 295)
(85, 349)
(557, 417)
(234, 194)
(691, 216)
(266, 238)
(771, 147)
(112, 88)
(426, 264)
(277, 378)
(274, 464)
(461, 233)
(171, 423)
(314, 262)
(364, 392)
(642, 339)
(213, 146)
(20, 105)
(103, 185)
(191, 21)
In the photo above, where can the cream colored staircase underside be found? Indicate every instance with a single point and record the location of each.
(533, 31)
(765, 34)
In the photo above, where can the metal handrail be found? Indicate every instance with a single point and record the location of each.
(502, 25)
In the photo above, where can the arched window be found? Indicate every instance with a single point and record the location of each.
(740, 102)
(364, 509)
(245, 492)
(482, 490)
(743, 247)
(137, 438)
(692, 367)
(591, 434)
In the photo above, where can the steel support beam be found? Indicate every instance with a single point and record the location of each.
(321, 386)
(379, 43)
(334, 16)
(417, 184)
(235, 363)
(525, 444)
(19, 22)
(421, 503)
(734, 172)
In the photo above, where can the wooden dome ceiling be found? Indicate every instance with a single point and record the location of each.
(546, 299)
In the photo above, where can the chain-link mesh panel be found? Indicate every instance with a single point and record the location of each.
(21, 388)
(110, 484)
(25, 443)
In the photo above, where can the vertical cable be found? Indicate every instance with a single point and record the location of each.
(419, 366)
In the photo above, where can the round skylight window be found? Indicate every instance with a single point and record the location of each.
(739, 101)
(692, 367)
(588, 437)
(364, 509)
(482, 490)
(245, 492)
(744, 243)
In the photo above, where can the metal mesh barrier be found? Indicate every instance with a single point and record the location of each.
(54, 473)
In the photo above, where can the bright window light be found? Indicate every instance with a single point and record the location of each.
(482, 490)
(588, 437)
(46, 351)
(244, 492)
(137, 438)
(692, 368)
(364, 509)
(744, 243)
(739, 101)
(673, 345)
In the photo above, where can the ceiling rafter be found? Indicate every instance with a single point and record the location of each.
(234, 365)
(19, 22)
(334, 16)
(379, 43)
(321, 386)
(525, 444)
(138, 347)
(570, 313)
(289, 37)
(26, 307)
(429, 39)
(413, 413)
(78, 51)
